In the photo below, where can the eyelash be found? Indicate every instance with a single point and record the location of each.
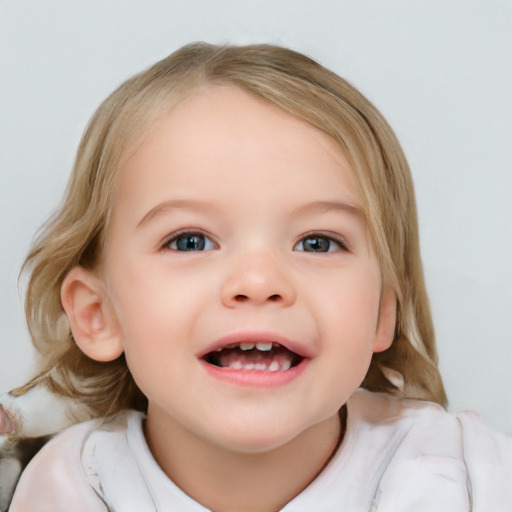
(340, 242)
(207, 244)
(167, 244)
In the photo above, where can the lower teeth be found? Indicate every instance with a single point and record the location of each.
(274, 366)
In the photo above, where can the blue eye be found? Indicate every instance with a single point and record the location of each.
(319, 243)
(190, 242)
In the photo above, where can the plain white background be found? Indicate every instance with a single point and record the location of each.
(439, 70)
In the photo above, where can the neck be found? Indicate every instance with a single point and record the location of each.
(229, 481)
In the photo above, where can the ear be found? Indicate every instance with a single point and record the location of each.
(92, 318)
(386, 325)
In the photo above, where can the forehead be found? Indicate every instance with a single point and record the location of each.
(222, 135)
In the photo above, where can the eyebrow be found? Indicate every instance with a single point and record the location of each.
(173, 204)
(328, 206)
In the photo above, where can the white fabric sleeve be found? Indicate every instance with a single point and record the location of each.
(54, 481)
(488, 458)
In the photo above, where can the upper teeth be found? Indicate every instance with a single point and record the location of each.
(263, 346)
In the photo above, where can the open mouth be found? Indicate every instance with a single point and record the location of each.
(260, 356)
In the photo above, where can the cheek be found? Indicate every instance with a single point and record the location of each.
(146, 295)
(158, 312)
(352, 308)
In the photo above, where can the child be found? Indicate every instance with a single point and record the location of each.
(237, 253)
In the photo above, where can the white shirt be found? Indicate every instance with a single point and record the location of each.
(396, 456)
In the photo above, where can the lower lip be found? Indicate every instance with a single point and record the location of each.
(255, 378)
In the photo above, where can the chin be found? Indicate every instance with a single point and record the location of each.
(255, 445)
(258, 437)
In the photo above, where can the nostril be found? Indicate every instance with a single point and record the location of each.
(243, 298)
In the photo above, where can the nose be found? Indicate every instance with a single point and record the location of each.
(257, 279)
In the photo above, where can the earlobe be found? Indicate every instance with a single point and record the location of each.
(91, 317)
(387, 321)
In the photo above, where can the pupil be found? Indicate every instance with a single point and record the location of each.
(190, 243)
(316, 244)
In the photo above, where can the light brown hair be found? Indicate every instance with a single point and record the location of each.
(303, 88)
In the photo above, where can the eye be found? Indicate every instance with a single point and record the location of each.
(320, 243)
(189, 241)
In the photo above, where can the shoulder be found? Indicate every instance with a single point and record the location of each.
(488, 458)
(473, 439)
(435, 457)
(56, 479)
(409, 429)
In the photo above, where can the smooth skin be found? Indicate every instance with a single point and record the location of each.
(234, 218)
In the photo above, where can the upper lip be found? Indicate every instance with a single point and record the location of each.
(302, 349)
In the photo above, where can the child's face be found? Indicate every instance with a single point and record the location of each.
(236, 223)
